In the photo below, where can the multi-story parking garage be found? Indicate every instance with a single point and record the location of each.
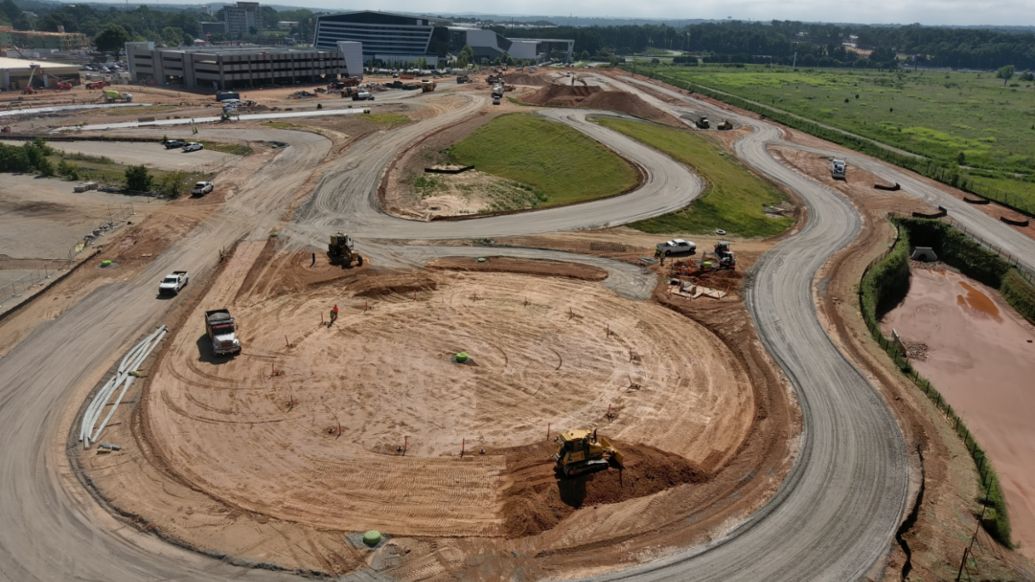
(236, 67)
(396, 39)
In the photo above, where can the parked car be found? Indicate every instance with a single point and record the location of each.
(201, 188)
(174, 143)
(193, 147)
(676, 246)
(173, 283)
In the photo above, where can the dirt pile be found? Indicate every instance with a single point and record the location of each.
(524, 79)
(537, 500)
(562, 95)
(525, 266)
(597, 98)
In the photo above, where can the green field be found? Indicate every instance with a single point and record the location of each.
(560, 164)
(734, 198)
(966, 122)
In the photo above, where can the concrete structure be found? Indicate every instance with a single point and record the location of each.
(241, 19)
(213, 27)
(352, 52)
(235, 67)
(32, 39)
(15, 73)
(393, 39)
(388, 38)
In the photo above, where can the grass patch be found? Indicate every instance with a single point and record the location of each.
(86, 168)
(237, 149)
(387, 120)
(970, 130)
(734, 198)
(560, 164)
(427, 185)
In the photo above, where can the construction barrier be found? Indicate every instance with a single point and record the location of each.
(447, 169)
(970, 200)
(942, 211)
(894, 188)
(1015, 221)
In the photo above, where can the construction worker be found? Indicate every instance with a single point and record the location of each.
(313, 262)
(334, 315)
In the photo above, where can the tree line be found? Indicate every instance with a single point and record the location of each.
(806, 44)
(112, 26)
(778, 41)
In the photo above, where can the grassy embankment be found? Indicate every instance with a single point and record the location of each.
(237, 149)
(968, 129)
(734, 199)
(885, 284)
(559, 164)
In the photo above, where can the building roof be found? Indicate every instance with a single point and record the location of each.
(386, 18)
(234, 50)
(8, 63)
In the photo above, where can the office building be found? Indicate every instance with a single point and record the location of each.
(216, 68)
(394, 39)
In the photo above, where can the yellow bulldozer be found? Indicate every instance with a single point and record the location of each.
(582, 451)
(341, 251)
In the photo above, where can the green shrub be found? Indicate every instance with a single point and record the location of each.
(1019, 293)
(138, 179)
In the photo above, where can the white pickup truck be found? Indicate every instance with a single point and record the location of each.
(202, 188)
(172, 283)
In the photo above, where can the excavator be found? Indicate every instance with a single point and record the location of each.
(582, 451)
(727, 260)
(341, 251)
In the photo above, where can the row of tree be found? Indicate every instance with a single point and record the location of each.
(810, 44)
(111, 26)
(778, 41)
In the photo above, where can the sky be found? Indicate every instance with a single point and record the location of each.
(960, 12)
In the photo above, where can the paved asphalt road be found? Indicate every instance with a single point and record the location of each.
(833, 518)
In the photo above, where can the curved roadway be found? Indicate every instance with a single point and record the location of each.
(833, 518)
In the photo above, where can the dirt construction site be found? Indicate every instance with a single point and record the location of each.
(370, 422)
(411, 416)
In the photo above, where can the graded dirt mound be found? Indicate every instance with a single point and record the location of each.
(526, 266)
(597, 98)
(537, 500)
(524, 79)
(385, 284)
(561, 95)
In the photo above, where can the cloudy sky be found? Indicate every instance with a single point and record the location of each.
(1015, 12)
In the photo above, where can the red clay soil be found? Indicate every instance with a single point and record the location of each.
(597, 98)
(525, 79)
(537, 499)
(526, 266)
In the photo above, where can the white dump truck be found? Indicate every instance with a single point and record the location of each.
(222, 331)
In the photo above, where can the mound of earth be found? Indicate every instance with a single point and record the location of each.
(537, 499)
(517, 265)
(524, 79)
(597, 98)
